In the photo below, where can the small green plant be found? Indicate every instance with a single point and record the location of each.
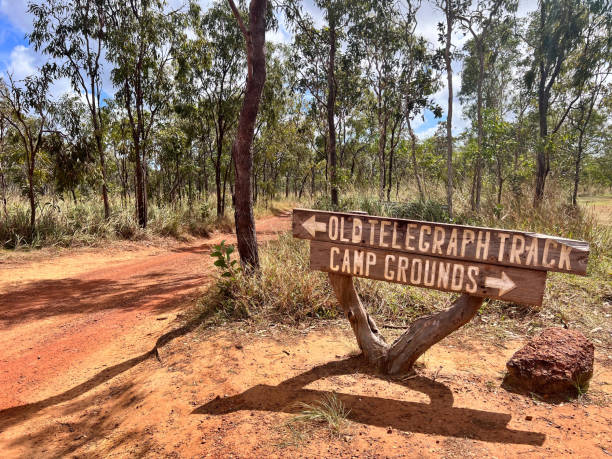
(330, 411)
(582, 385)
(223, 255)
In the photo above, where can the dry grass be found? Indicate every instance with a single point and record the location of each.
(330, 412)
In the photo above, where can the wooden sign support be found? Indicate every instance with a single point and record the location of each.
(477, 262)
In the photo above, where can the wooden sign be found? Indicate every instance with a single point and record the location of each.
(508, 284)
(485, 262)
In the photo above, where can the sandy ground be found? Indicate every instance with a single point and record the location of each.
(78, 379)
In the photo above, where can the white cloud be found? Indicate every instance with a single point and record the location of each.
(427, 132)
(17, 13)
(22, 62)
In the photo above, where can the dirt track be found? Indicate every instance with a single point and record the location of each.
(64, 319)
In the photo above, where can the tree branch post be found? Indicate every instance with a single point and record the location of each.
(399, 357)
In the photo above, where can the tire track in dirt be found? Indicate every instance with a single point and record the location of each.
(57, 331)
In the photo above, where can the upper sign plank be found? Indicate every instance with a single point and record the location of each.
(484, 245)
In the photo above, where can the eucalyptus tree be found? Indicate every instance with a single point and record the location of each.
(26, 107)
(3, 161)
(584, 116)
(319, 50)
(142, 37)
(210, 79)
(382, 42)
(254, 34)
(307, 65)
(421, 68)
(119, 140)
(479, 23)
(555, 35)
(70, 145)
(452, 10)
(74, 33)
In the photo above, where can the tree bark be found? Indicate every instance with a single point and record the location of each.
(331, 105)
(577, 172)
(31, 196)
(542, 159)
(242, 152)
(399, 357)
(415, 166)
(449, 116)
(478, 169)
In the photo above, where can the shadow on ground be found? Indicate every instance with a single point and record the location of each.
(47, 298)
(18, 414)
(439, 417)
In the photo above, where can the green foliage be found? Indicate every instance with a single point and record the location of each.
(222, 254)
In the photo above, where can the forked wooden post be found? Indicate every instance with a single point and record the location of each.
(398, 357)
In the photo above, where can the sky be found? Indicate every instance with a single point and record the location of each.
(21, 60)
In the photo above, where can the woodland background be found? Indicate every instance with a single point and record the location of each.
(140, 141)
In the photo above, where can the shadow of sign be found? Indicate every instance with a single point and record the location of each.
(439, 417)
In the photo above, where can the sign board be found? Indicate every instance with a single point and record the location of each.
(486, 262)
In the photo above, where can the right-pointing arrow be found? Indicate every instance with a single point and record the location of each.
(504, 284)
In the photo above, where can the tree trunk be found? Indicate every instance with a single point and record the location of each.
(140, 202)
(31, 195)
(242, 152)
(542, 159)
(478, 169)
(100, 148)
(218, 184)
(577, 171)
(399, 357)
(449, 116)
(3, 187)
(415, 167)
(312, 182)
(331, 106)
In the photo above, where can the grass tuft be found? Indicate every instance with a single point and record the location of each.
(329, 411)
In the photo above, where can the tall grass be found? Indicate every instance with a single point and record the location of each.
(285, 290)
(62, 223)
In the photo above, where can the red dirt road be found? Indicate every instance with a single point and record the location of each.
(65, 319)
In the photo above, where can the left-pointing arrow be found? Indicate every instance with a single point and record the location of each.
(504, 284)
(311, 225)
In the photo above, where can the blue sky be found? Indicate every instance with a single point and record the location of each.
(17, 57)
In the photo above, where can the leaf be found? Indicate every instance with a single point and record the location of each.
(226, 274)
(221, 263)
(216, 253)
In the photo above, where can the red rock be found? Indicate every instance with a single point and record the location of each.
(552, 363)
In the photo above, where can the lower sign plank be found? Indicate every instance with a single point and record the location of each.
(518, 285)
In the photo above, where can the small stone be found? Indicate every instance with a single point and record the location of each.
(389, 430)
(552, 363)
(528, 418)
